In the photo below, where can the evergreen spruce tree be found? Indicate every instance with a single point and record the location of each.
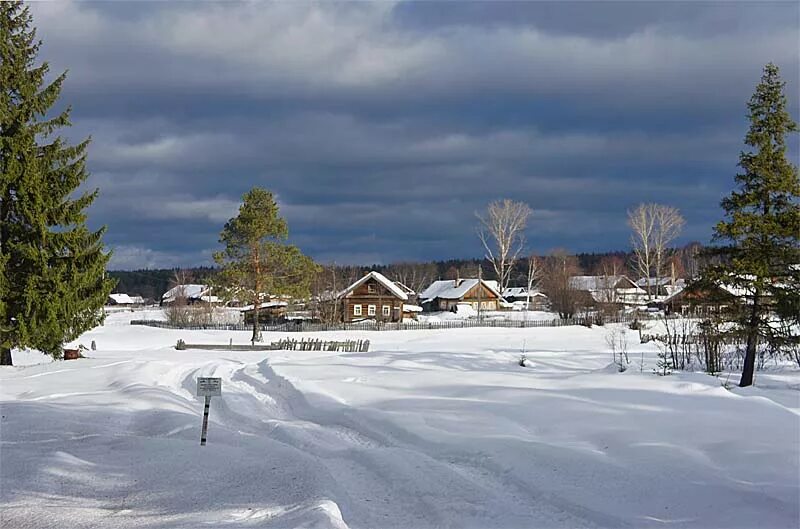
(256, 261)
(762, 224)
(52, 267)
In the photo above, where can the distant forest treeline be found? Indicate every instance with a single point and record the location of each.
(153, 283)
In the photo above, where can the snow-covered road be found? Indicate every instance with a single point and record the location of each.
(429, 429)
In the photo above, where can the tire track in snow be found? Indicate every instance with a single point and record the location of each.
(388, 476)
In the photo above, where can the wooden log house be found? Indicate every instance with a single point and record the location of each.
(446, 294)
(373, 297)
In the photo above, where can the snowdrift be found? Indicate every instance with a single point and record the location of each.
(430, 429)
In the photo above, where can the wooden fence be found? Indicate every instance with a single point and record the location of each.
(347, 346)
(304, 326)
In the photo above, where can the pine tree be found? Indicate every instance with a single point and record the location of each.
(762, 222)
(257, 262)
(52, 267)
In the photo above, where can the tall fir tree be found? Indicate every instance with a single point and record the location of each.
(256, 261)
(52, 267)
(762, 224)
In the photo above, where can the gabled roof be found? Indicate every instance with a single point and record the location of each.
(122, 299)
(518, 292)
(404, 288)
(191, 291)
(595, 283)
(725, 288)
(659, 281)
(264, 305)
(380, 278)
(447, 289)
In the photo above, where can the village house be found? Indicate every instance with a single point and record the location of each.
(520, 297)
(125, 300)
(698, 301)
(446, 294)
(189, 294)
(661, 287)
(617, 290)
(375, 297)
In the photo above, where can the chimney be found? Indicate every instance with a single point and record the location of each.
(457, 280)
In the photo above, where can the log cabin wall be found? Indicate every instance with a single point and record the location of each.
(356, 304)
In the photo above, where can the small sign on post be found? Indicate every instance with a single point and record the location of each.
(207, 387)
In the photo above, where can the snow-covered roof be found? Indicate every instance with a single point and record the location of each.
(735, 291)
(517, 292)
(264, 305)
(494, 285)
(412, 308)
(191, 291)
(121, 299)
(594, 283)
(454, 289)
(380, 278)
(404, 288)
(658, 281)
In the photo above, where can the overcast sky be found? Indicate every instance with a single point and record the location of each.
(382, 127)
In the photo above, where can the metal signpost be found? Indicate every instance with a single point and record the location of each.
(207, 387)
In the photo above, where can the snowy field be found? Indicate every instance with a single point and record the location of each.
(434, 428)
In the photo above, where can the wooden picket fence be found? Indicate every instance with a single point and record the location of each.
(348, 346)
(288, 344)
(305, 326)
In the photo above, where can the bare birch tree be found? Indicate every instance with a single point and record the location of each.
(501, 229)
(533, 276)
(669, 224)
(655, 227)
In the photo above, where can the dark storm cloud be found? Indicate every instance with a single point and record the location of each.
(602, 19)
(383, 127)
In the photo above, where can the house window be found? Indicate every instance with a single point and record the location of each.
(387, 310)
(356, 310)
(371, 310)
(371, 288)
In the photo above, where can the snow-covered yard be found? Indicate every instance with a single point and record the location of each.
(437, 428)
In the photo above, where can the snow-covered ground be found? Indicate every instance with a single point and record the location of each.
(435, 428)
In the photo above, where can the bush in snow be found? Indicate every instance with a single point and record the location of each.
(664, 363)
(522, 360)
(617, 341)
(679, 341)
(711, 345)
